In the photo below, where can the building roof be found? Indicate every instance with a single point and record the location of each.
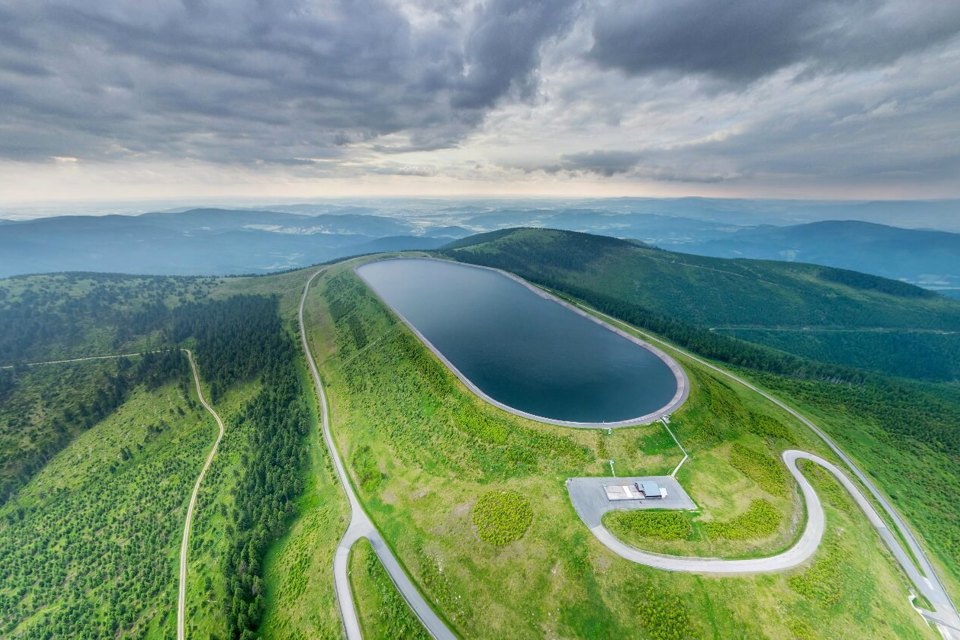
(650, 488)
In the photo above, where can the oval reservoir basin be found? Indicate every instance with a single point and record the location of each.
(524, 350)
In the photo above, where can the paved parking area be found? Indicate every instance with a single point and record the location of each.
(590, 500)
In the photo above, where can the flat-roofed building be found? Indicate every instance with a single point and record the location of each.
(623, 492)
(651, 489)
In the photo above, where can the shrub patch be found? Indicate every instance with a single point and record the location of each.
(660, 525)
(502, 517)
(763, 469)
(760, 520)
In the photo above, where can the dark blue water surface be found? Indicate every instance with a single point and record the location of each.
(521, 349)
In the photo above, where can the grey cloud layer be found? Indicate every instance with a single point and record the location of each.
(743, 40)
(254, 81)
(902, 131)
(693, 91)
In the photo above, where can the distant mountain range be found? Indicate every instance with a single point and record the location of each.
(201, 241)
(930, 259)
(230, 241)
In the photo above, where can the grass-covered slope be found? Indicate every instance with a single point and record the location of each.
(905, 433)
(268, 514)
(384, 614)
(886, 325)
(423, 452)
(64, 316)
(88, 548)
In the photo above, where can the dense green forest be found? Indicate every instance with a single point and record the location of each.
(923, 355)
(47, 317)
(271, 479)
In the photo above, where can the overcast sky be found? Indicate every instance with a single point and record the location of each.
(126, 99)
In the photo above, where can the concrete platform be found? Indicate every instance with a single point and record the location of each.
(589, 497)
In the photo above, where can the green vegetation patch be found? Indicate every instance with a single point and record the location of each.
(897, 430)
(827, 486)
(822, 582)
(763, 469)
(383, 612)
(659, 525)
(42, 409)
(663, 616)
(502, 517)
(656, 443)
(88, 548)
(766, 426)
(759, 521)
(365, 465)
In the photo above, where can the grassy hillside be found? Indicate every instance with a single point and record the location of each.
(88, 548)
(383, 613)
(423, 452)
(115, 454)
(68, 315)
(905, 433)
(881, 319)
(268, 503)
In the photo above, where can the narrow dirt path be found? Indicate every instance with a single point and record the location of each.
(185, 542)
(69, 360)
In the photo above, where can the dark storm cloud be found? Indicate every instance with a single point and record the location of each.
(817, 91)
(501, 52)
(739, 41)
(602, 162)
(900, 134)
(249, 81)
(660, 165)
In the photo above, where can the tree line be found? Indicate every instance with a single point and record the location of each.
(235, 340)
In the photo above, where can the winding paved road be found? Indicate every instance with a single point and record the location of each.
(185, 542)
(945, 617)
(362, 527)
(926, 580)
(796, 555)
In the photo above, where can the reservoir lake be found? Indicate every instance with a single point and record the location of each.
(525, 351)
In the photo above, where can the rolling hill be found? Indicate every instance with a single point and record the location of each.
(825, 314)
(811, 327)
(928, 258)
(120, 447)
